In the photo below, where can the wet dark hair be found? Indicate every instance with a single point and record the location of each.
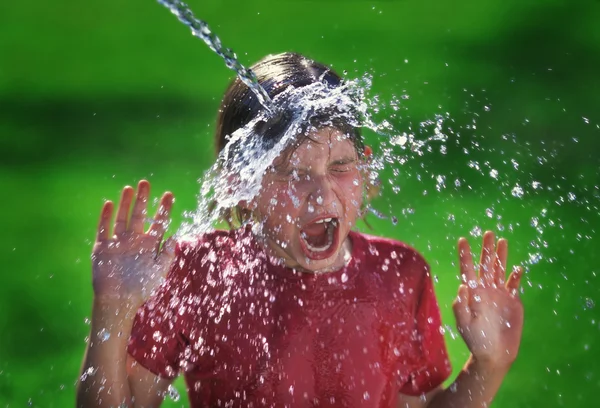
(277, 73)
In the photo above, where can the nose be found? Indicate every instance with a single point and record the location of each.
(322, 194)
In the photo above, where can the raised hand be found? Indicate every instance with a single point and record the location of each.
(130, 262)
(489, 313)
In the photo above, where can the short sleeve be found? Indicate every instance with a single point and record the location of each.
(430, 364)
(158, 339)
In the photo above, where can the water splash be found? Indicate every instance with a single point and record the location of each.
(201, 30)
(237, 174)
(224, 186)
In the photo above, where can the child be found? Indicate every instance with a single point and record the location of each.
(293, 308)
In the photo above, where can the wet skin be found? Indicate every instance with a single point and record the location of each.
(321, 178)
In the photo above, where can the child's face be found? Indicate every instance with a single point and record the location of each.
(310, 199)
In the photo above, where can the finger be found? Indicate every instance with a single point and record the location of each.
(104, 224)
(500, 264)
(488, 258)
(462, 311)
(514, 280)
(138, 215)
(466, 262)
(168, 248)
(123, 211)
(161, 219)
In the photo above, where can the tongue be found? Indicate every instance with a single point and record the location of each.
(316, 234)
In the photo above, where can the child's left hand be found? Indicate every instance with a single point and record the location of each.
(489, 313)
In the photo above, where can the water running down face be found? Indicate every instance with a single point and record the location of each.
(309, 201)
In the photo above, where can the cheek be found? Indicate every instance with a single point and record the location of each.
(279, 204)
(350, 188)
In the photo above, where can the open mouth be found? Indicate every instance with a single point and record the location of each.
(319, 238)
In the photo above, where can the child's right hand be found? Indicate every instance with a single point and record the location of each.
(130, 262)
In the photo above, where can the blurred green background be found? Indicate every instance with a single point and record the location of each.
(96, 95)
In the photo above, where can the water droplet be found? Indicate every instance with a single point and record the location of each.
(311, 209)
(89, 372)
(399, 140)
(319, 200)
(517, 191)
(476, 231)
(172, 393)
(103, 335)
(472, 283)
(589, 303)
(157, 336)
(535, 258)
(394, 220)
(366, 396)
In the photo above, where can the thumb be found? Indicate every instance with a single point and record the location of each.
(167, 251)
(461, 308)
(168, 247)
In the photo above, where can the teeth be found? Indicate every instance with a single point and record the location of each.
(323, 220)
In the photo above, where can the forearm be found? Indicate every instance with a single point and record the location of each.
(475, 386)
(103, 381)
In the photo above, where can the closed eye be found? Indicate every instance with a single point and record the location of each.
(343, 165)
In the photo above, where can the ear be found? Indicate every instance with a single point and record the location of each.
(372, 185)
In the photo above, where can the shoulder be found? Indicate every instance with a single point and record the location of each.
(216, 255)
(381, 250)
(210, 244)
(393, 267)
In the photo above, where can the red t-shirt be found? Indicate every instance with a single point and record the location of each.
(246, 332)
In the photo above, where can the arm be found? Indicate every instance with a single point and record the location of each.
(475, 386)
(126, 267)
(110, 377)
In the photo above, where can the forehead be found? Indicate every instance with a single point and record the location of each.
(318, 144)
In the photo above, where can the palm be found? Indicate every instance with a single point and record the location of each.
(488, 311)
(131, 260)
